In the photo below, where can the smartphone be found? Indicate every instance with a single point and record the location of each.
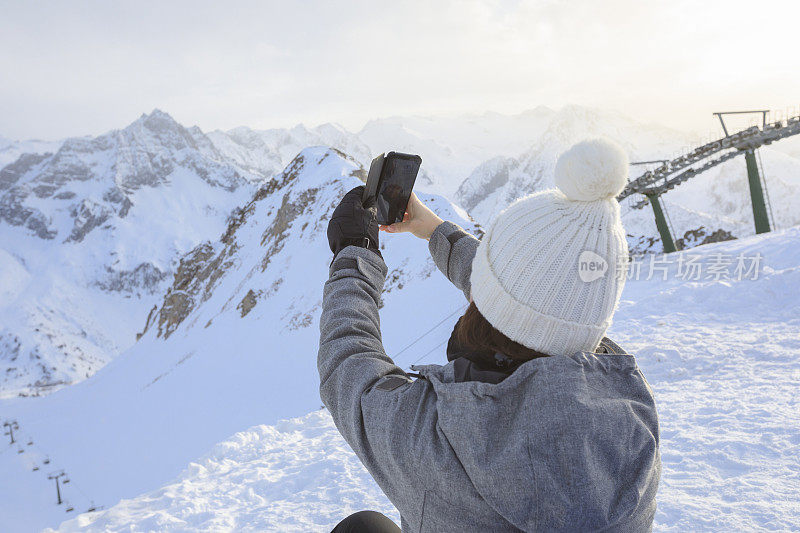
(390, 181)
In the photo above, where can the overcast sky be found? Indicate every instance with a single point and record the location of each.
(76, 68)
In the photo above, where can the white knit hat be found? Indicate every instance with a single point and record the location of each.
(547, 273)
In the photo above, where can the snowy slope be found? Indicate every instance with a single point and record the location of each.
(719, 201)
(89, 235)
(724, 191)
(722, 356)
(232, 344)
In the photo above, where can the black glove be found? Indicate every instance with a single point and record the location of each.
(353, 224)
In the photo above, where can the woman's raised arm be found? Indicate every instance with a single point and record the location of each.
(452, 248)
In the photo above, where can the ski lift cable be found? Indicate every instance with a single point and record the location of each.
(423, 356)
(669, 220)
(628, 201)
(78, 488)
(442, 321)
(71, 480)
(48, 461)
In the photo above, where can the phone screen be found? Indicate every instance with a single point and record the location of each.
(398, 176)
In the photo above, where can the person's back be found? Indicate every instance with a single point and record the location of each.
(538, 422)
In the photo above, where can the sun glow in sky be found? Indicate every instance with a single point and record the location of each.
(75, 68)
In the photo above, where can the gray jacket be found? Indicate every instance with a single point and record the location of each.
(565, 443)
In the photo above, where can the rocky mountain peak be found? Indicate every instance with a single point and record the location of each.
(156, 120)
(158, 128)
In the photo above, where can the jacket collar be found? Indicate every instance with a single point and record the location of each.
(473, 365)
(489, 367)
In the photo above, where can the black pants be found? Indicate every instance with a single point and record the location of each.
(366, 522)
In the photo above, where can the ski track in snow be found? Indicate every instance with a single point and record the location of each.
(723, 358)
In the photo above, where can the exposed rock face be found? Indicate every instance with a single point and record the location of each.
(485, 180)
(248, 302)
(87, 216)
(195, 269)
(198, 272)
(11, 174)
(286, 214)
(145, 278)
(700, 236)
(643, 244)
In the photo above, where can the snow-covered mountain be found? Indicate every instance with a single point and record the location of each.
(89, 235)
(232, 343)
(449, 147)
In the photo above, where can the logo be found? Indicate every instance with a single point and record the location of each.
(591, 266)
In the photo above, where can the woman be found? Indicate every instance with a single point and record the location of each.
(538, 422)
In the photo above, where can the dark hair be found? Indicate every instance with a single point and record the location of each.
(473, 331)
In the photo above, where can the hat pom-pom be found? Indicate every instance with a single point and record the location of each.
(594, 169)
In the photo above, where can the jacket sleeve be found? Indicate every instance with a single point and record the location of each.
(453, 250)
(351, 357)
(376, 407)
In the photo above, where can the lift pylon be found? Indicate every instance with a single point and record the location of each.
(661, 224)
(760, 216)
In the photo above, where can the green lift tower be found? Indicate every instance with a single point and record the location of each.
(661, 224)
(760, 216)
